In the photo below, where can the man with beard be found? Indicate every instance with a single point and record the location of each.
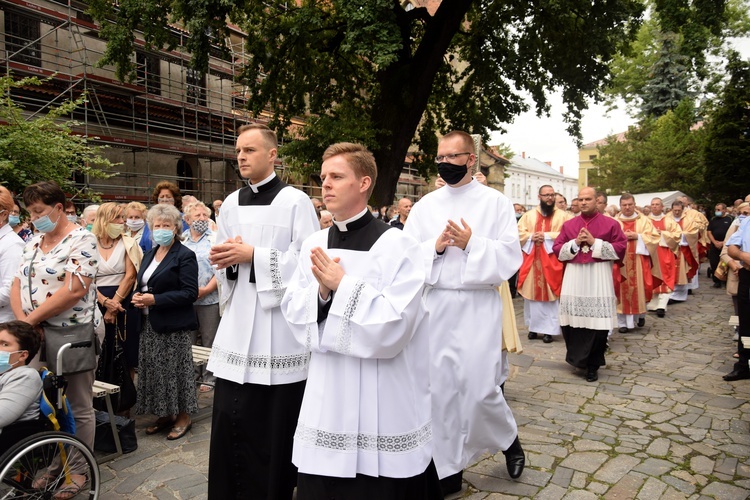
(469, 242)
(687, 263)
(540, 277)
(670, 235)
(635, 278)
(588, 306)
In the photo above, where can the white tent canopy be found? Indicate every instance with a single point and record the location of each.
(667, 197)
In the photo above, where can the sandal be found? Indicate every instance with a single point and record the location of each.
(71, 489)
(178, 432)
(43, 482)
(161, 424)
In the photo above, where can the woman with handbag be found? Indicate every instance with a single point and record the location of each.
(53, 291)
(167, 287)
(118, 266)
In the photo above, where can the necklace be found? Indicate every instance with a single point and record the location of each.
(102, 245)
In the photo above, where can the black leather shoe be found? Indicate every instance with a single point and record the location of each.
(623, 329)
(547, 339)
(716, 285)
(592, 375)
(641, 322)
(661, 312)
(532, 335)
(690, 292)
(736, 375)
(515, 459)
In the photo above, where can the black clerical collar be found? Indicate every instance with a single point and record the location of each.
(266, 184)
(357, 222)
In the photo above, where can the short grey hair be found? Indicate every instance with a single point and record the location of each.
(196, 204)
(167, 213)
(88, 210)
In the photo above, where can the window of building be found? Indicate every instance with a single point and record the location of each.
(147, 72)
(592, 157)
(22, 34)
(195, 83)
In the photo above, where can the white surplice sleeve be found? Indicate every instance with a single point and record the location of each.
(431, 260)
(494, 258)
(275, 267)
(225, 285)
(365, 319)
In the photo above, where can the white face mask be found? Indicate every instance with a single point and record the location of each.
(135, 224)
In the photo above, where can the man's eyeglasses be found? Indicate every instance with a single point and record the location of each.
(450, 157)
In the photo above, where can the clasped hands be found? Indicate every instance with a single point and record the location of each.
(327, 271)
(232, 251)
(142, 300)
(453, 236)
(584, 236)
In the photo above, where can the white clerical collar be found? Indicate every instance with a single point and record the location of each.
(255, 187)
(342, 225)
(629, 217)
(657, 217)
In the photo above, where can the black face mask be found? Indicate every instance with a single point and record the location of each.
(452, 174)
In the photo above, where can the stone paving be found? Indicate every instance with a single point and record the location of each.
(659, 424)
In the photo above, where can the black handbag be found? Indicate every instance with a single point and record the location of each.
(104, 440)
(77, 360)
(113, 369)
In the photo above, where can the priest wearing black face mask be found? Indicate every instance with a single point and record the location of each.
(469, 242)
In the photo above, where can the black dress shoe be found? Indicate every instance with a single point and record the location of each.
(716, 285)
(547, 339)
(690, 292)
(661, 312)
(592, 375)
(532, 335)
(515, 459)
(452, 483)
(736, 375)
(623, 329)
(641, 322)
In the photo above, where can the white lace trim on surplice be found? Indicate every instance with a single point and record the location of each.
(588, 307)
(282, 364)
(351, 441)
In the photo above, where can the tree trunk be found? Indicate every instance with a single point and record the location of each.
(405, 90)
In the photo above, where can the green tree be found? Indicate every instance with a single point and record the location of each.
(45, 147)
(374, 72)
(698, 29)
(670, 81)
(660, 154)
(728, 137)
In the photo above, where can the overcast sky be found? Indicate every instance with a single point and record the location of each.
(545, 138)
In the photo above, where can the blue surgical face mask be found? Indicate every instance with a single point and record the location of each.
(5, 363)
(14, 220)
(45, 225)
(742, 217)
(163, 237)
(718, 213)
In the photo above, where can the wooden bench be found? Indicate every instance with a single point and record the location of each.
(200, 358)
(105, 390)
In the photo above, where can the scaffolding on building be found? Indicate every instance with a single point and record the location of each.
(169, 109)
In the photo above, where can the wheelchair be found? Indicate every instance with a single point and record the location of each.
(42, 465)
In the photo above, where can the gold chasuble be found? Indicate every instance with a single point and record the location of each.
(540, 276)
(639, 273)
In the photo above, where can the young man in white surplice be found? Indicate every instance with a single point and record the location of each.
(355, 301)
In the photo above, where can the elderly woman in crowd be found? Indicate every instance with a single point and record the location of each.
(199, 239)
(734, 266)
(135, 220)
(54, 286)
(165, 193)
(167, 286)
(11, 249)
(120, 260)
(19, 227)
(88, 216)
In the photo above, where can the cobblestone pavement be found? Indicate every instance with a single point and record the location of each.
(659, 424)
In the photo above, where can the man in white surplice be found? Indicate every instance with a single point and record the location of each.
(260, 368)
(470, 246)
(355, 301)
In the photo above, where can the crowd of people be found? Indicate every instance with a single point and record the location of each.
(355, 351)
